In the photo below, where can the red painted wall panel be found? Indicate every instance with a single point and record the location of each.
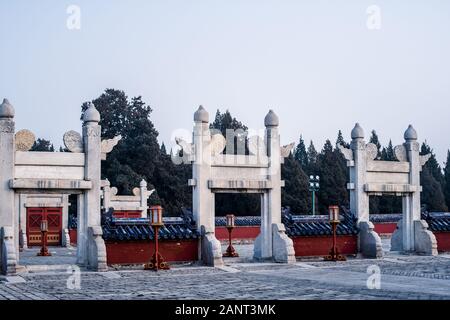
(320, 246)
(136, 252)
(443, 241)
(385, 228)
(73, 236)
(127, 214)
(238, 233)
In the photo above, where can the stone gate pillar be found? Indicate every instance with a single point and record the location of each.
(8, 225)
(95, 245)
(412, 234)
(272, 242)
(210, 250)
(369, 243)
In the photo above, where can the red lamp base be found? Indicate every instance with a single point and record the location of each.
(44, 253)
(157, 263)
(335, 256)
(231, 253)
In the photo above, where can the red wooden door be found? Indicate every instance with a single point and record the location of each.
(34, 218)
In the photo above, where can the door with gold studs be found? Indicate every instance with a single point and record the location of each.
(34, 218)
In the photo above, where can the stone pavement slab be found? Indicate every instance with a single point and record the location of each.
(401, 277)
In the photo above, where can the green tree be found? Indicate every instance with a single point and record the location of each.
(312, 159)
(42, 145)
(295, 194)
(447, 180)
(432, 164)
(432, 181)
(341, 141)
(225, 121)
(333, 178)
(387, 154)
(300, 154)
(376, 141)
(138, 155)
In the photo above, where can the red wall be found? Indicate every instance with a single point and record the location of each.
(385, 228)
(135, 252)
(320, 246)
(238, 233)
(73, 236)
(443, 241)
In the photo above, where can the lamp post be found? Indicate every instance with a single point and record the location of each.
(44, 229)
(157, 261)
(230, 226)
(314, 186)
(334, 221)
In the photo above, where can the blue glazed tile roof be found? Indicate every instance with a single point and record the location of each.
(392, 217)
(140, 229)
(178, 228)
(307, 225)
(246, 221)
(437, 221)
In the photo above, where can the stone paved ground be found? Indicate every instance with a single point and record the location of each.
(402, 277)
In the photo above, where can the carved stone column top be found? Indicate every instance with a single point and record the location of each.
(201, 115)
(91, 114)
(410, 134)
(357, 132)
(6, 110)
(271, 120)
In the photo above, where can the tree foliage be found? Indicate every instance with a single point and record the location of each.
(42, 145)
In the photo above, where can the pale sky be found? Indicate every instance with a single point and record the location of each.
(316, 63)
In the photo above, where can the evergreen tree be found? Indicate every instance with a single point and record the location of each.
(312, 159)
(295, 194)
(138, 155)
(225, 121)
(447, 180)
(300, 154)
(42, 145)
(340, 140)
(432, 181)
(432, 196)
(432, 164)
(333, 178)
(375, 140)
(388, 153)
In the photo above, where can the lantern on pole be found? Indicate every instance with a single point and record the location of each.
(314, 186)
(157, 261)
(231, 252)
(334, 255)
(44, 229)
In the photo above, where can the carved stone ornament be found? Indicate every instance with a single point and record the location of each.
(109, 144)
(73, 141)
(24, 140)
(372, 151)
(286, 150)
(218, 143)
(400, 153)
(256, 145)
(348, 153)
(7, 126)
(187, 147)
(136, 191)
(92, 131)
(113, 191)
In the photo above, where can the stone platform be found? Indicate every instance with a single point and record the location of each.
(402, 277)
